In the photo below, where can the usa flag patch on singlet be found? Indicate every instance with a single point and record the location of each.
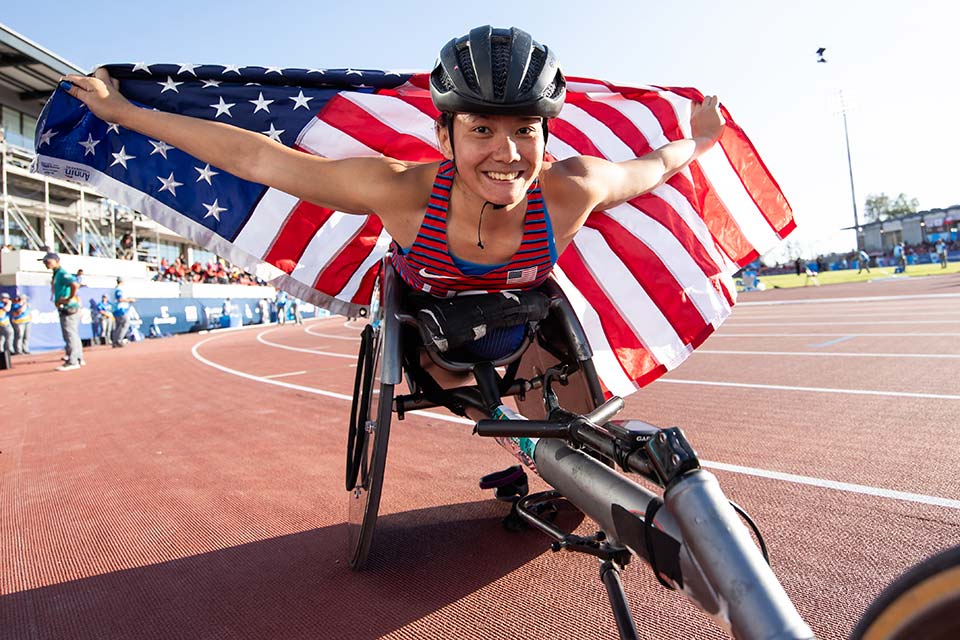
(521, 276)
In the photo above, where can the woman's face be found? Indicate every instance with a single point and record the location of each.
(497, 157)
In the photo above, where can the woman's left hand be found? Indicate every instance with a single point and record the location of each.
(705, 119)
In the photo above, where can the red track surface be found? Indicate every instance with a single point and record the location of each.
(151, 495)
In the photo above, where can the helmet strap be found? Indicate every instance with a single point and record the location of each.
(480, 223)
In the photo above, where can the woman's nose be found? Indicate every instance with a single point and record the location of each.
(506, 150)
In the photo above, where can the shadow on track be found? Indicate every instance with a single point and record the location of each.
(295, 586)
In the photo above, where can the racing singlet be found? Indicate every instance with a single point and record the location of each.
(428, 265)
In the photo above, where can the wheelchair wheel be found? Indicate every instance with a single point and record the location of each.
(922, 603)
(367, 446)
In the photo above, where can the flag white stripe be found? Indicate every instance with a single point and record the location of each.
(266, 222)
(605, 140)
(397, 114)
(636, 308)
(586, 87)
(727, 184)
(604, 358)
(353, 285)
(639, 114)
(326, 244)
(679, 203)
(711, 305)
(756, 229)
(560, 149)
(323, 139)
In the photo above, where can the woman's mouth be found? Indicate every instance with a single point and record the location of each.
(503, 176)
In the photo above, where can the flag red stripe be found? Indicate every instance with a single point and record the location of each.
(365, 290)
(334, 277)
(297, 231)
(635, 359)
(653, 276)
(718, 219)
(358, 123)
(757, 180)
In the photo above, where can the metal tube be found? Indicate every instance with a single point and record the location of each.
(610, 575)
(758, 607)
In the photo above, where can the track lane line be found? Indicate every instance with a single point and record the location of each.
(720, 466)
(780, 387)
(827, 353)
(317, 352)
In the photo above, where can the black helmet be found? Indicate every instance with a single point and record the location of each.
(497, 71)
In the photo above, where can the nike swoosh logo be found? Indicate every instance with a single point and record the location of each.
(427, 274)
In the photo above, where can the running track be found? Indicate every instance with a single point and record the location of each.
(192, 487)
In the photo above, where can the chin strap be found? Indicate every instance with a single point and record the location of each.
(495, 206)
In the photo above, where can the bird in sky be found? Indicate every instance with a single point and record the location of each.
(820, 57)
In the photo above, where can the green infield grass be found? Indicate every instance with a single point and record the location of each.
(789, 280)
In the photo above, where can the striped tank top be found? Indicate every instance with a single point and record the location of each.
(429, 266)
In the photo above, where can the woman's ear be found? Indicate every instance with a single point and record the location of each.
(443, 139)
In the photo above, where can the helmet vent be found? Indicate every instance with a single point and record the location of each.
(537, 59)
(466, 67)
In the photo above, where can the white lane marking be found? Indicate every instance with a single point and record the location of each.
(317, 352)
(832, 484)
(284, 375)
(818, 315)
(815, 335)
(320, 392)
(780, 387)
(775, 475)
(830, 343)
(830, 353)
(331, 336)
(833, 322)
(861, 299)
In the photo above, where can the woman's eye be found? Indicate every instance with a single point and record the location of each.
(526, 131)
(480, 130)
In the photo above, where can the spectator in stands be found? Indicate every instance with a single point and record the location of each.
(121, 314)
(127, 248)
(104, 319)
(863, 261)
(65, 299)
(20, 317)
(6, 324)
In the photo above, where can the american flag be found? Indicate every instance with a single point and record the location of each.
(649, 279)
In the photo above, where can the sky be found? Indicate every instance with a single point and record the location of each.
(895, 63)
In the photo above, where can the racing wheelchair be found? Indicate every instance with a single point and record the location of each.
(692, 536)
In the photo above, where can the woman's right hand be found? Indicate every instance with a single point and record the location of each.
(100, 93)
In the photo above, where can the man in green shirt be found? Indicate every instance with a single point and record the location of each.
(65, 299)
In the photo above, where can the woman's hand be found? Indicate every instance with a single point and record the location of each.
(100, 93)
(705, 119)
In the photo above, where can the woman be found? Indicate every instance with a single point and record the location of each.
(496, 90)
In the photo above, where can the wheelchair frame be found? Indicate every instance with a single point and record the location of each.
(692, 537)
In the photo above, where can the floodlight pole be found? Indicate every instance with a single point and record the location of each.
(853, 191)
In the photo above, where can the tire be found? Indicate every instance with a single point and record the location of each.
(367, 447)
(922, 603)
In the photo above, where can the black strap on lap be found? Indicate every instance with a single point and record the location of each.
(446, 324)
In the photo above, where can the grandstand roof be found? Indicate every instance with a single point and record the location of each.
(28, 69)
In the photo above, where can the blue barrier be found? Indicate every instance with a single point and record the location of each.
(167, 316)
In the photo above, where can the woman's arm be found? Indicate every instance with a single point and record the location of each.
(605, 184)
(249, 155)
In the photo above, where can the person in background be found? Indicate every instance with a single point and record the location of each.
(264, 307)
(121, 309)
(64, 286)
(863, 261)
(942, 253)
(6, 326)
(20, 317)
(227, 308)
(295, 308)
(281, 303)
(105, 319)
(80, 278)
(126, 247)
